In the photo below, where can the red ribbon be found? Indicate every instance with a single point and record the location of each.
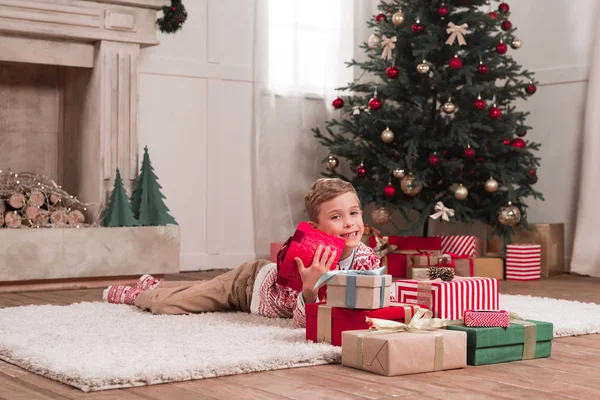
(462, 257)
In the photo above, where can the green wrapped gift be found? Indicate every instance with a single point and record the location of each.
(522, 340)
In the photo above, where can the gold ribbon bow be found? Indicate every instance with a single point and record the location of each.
(442, 211)
(457, 31)
(383, 248)
(388, 45)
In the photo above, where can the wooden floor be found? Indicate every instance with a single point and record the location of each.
(572, 372)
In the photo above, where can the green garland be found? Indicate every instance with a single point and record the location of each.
(173, 17)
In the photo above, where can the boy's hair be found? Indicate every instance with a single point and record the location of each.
(323, 190)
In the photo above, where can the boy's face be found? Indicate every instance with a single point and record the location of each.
(342, 217)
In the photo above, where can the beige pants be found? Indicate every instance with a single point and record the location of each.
(230, 291)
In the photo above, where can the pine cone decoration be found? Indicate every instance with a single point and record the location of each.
(443, 273)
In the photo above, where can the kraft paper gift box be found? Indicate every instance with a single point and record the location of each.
(522, 340)
(551, 238)
(352, 289)
(489, 267)
(397, 260)
(326, 324)
(404, 353)
(421, 260)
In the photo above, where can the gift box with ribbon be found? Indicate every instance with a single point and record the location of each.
(364, 289)
(486, 318)
(522, 340)
(392, 348)
(397, 260)
(303, 244)
(463, 265)
(326, 324)
(449, 300)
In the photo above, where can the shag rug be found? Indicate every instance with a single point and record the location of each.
(98, 346)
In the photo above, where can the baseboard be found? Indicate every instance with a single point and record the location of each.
(201, 262)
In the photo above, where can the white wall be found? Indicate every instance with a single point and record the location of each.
(196, 118)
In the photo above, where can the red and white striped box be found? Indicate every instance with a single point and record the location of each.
(523, 262)
(449, 300)
(462, 245)
(487, 318)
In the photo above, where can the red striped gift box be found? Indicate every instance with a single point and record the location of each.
(449, 300)
(461, 245)
(523, 262)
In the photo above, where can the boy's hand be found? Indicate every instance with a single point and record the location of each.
(322, 262)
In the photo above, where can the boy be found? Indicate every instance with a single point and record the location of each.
(332, 206)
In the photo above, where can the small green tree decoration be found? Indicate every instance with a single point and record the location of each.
(119, 211)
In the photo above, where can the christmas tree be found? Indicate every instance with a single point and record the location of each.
(119, 211)
(147, 200)
(430, 125)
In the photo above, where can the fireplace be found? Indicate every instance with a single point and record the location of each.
(69, 79)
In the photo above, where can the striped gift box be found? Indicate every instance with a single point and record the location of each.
(523, 262)
(461, 245)
(449, 300)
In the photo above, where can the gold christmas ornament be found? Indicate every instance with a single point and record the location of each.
(449, 107)
(332, 162)
(423, 68)
(509, 215)
(387, 136)
(410, 186)
(491, 185)
(381, 215)
(516, 44)
(373, 41)
(399, 173)
(461, 192)
(398, 18)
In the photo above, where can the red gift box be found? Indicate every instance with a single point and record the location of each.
(462, 245)
(449, 300)
(326, 324)
(523, 262)
(303, 244)
(487, 318)
(397, 261)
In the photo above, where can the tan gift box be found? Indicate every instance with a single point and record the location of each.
(403, 353)
(368, 290)
(551, 237)
(489, 267)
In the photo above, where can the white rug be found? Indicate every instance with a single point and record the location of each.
(97, 346)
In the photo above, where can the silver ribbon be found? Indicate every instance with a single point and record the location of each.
(328, 275)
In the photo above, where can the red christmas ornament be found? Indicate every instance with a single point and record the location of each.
(389, 191)
(506, 142)
(174, 8)
(417, 28)
(483, 69)
(521, 132)
(493, 15)
(518, 142)
(361, 170)
(503, 7)
(501, 48)
(494, 112)
(456, 63)
(392, 72)
(469, 153)
(531, 89)
(337, 103)
(532, 172)
(374, 103)
(434, 160)
(479, 104)
(506, 25)
(443, 11)
(380, 17)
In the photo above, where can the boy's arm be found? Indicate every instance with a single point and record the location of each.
(300, 312)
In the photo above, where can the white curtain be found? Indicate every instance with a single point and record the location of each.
(300, 50)
(586, 249)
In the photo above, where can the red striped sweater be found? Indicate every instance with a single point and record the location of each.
(279, 301)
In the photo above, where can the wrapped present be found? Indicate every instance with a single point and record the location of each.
(303, 244)
(326, 324)
(412, 349)
(365, 289)
(523, 262)
(449, 300)
(486, 318)
(462, 245)
(551, 237)
(488, 267)
(522, 340)
(274, 250)
(419, 273)
(421, 259)
(397, 260)
(463, 265)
